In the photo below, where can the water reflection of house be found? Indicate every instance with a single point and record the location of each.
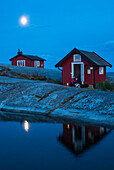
(79, 138)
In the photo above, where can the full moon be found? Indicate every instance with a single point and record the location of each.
(23, 20)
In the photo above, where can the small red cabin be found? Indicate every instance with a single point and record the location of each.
(88, 67)
(27, 60)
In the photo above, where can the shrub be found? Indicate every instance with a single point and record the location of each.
(106, 86)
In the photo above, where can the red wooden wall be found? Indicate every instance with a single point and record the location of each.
(28, 62)
(98, 77)
(88, 78)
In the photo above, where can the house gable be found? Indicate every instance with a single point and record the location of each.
(90, 57)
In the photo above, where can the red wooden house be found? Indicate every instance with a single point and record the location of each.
(27, 60)
(88, 67)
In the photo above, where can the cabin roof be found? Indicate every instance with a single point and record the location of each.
(91, 57)
(31, 57)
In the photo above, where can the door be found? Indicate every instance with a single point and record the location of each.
(77, 72)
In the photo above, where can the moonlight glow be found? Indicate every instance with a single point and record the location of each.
(26, 126)
(24, 21)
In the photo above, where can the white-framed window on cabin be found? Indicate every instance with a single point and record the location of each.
(76, 57)
(101, 70)
(21, 63)
(37, 63)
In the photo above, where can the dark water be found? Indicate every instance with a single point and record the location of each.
(42, 146)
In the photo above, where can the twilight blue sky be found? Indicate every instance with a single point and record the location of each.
(56, 27)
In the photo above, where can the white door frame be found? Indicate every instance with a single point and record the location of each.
(82, 70)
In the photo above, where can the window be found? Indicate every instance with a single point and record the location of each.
(76, 57)
(37, 63)
(101, 70)
(88, 71)
(20, 63)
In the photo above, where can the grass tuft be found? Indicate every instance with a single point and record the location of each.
(105, 86)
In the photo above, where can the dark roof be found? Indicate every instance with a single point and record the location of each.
(31, 57)
(91, 57)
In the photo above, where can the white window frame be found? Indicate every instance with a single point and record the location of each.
(76, 55)
(37, 63)
(101, 70)
(18, 61)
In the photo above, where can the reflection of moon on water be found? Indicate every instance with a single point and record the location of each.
(26, 125)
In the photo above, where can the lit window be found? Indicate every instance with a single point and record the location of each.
(77, 57)
(68, 126)
(101, 70)
(20, 63)
(88, 71)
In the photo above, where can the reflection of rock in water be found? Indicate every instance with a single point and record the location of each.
(79, 138)
(21, 117)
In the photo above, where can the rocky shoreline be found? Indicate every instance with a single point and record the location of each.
(57, 101)
(61, 116)
(36, 97)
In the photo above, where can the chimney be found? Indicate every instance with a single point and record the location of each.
(19, 52)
